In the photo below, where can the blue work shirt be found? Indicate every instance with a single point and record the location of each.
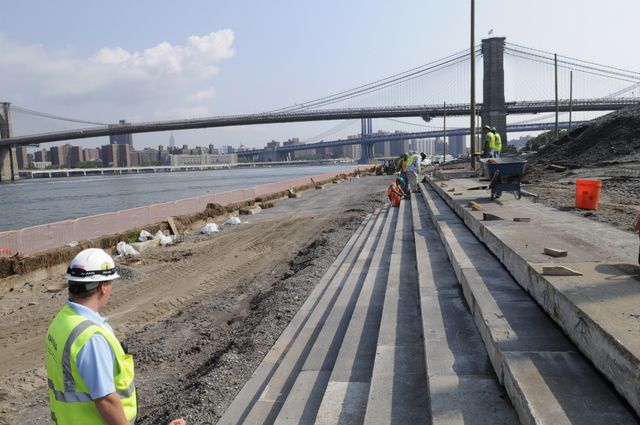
(96, 360)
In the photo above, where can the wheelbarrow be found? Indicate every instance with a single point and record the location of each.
(505, 174)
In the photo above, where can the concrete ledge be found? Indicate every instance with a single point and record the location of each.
(527, 351)
(598, 310)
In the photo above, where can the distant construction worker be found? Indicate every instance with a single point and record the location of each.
(488, 142)
(395, 192)
(402, 168)
(413, 168)
(90, 374)
(497, 143)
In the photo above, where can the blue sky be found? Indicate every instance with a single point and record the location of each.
(154, 60)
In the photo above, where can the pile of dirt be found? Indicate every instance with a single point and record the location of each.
(610, 139)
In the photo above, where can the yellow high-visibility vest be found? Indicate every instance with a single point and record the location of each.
(69, 398)
(497, 144)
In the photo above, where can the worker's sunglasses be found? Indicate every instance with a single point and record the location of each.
(76, 272)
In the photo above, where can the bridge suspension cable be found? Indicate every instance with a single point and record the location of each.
(53, 117)
(572, 64)
(381, 84)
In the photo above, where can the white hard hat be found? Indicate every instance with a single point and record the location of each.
(92, 265)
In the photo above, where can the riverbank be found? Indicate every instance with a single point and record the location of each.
(200, 315)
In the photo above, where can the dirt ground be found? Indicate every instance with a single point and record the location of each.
(197, 316)
(619, 201)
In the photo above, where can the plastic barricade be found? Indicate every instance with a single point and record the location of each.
(54, 235)
(9, 243)
(95, 226)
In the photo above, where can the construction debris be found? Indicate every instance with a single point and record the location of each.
(490, 217)
(559, 271)
(522, 219)
(555, 252)
(252, 210)
(475, 206)
(292, 193)
(453, 189)
(172, 225)
(558, 168)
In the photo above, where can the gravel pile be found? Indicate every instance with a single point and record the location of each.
(611, 139)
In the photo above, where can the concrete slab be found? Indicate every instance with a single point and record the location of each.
(469, 400)
(597, 310)
(304, 399)
(558, 380)
(344, 403)
(398, 393)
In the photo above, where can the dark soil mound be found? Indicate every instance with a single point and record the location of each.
(606, 140)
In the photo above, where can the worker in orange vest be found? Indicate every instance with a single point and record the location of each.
(395, 192)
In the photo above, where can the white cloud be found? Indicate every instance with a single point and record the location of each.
(202, 95)
(163, 73)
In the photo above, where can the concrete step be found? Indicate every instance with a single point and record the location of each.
(347, 392)
(262, 396)
(547, 379)
(598, 310)
(303, 401)
(398, 392)
(463, 388)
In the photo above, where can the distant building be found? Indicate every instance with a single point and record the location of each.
(147, 157)
(123, 158)
(42, 156)
(293, 142)
(109, 155)
(57, 156)
(172, 142)
(121, 139)
(456, 146)
(272, 145)
(76, 155)
(92, 154)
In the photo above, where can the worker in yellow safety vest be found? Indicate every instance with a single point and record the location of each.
(89, 372)
(488, 142)
(497, 143)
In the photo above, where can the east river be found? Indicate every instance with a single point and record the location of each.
(31, 202)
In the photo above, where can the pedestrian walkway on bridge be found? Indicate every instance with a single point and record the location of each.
(432, 316)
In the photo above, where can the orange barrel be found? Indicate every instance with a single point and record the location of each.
(587, 194)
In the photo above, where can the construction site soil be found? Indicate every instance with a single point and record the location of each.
(607, 149)
(198, 316)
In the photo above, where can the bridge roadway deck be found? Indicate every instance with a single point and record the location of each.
(418, 322)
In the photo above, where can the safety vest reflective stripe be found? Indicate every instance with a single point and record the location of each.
(69, 382)
(69, 396)
(80, 397)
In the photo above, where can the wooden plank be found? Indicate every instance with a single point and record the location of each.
(522, 219)
(475, 206)
(555, 252)
(172, 225)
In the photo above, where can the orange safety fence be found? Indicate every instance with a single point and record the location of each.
(53, 235)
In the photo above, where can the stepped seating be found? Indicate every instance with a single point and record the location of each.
(416, 322)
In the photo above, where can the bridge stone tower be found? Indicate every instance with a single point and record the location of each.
(366, 147)
(494, 113)
(8, 159)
